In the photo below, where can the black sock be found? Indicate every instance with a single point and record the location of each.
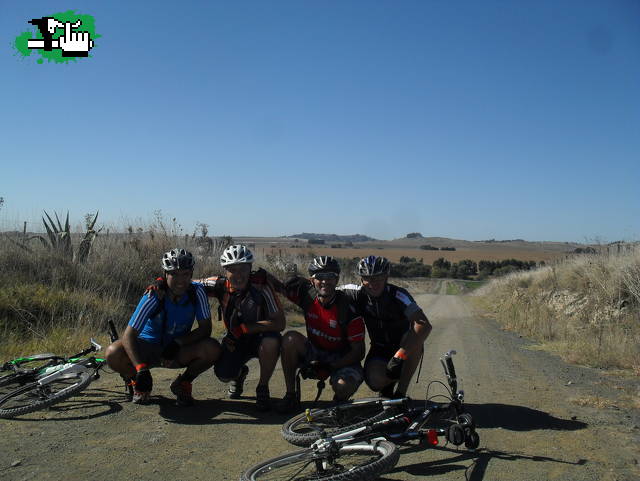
(187, 377)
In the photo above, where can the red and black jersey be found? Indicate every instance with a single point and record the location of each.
(331, 327)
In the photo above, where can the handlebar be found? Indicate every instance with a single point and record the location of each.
(449, 370)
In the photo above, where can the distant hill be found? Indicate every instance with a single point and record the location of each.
(334, 237)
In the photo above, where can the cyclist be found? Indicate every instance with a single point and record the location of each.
(397, 327)
(253, 318)
(334, 345)
(159, 333)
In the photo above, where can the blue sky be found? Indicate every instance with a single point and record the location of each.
(470, 120)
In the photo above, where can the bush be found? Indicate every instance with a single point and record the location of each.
(410, 269)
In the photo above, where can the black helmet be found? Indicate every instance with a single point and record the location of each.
(324, 264)
(373, 266)
(177, 259)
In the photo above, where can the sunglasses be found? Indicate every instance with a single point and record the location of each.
(325, 276)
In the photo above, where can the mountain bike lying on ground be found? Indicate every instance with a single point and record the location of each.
(356, 440)
(35, 382)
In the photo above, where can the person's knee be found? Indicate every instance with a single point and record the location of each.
(292, 341)
(115, 355)
(376, 377)
(344, 388)
(209, 350)
(226, 372)
(270, 345)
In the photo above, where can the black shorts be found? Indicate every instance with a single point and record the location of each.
(151, 354)
(230, 363)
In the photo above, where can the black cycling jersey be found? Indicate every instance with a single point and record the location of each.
(386, 316)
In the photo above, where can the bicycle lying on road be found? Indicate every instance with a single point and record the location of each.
(31, 383)
(356, 440)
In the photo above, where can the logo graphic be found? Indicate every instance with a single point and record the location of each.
(59, 38)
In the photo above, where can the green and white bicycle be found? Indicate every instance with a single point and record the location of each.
(35, 382)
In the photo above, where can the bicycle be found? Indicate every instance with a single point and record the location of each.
(35, 382)
(357, 440)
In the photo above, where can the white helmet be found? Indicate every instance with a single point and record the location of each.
(177, 259)
(236, 254)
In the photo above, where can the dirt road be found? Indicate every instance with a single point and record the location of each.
(538, 418)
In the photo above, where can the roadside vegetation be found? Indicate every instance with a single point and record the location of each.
(61, 288)
(586, 307)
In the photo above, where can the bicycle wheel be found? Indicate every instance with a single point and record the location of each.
(300, 432)
(34, 396)
(352, 462)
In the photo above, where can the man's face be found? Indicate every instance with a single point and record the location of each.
(325, 283)
(238, 275)
(179, 280)
(374, 285)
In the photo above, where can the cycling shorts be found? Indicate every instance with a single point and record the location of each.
(353, 371)
(230, 364)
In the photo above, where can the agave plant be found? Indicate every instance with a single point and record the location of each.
(59, 237)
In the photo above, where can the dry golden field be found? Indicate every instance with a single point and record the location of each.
(427, 256)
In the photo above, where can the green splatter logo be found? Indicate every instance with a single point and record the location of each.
(59, 38)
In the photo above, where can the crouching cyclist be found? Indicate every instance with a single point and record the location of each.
(334, 345)
(159, 333)
(253, 319)
(397, 327)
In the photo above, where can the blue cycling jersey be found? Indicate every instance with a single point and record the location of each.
(177, 317)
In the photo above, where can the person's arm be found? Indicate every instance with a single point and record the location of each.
(274, 319)
(417, 335)
(211, 285)
(130, 344)
(353, 356)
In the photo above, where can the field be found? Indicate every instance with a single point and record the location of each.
(394, 253)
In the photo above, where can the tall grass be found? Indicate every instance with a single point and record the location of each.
(587, 306)
(48, 302)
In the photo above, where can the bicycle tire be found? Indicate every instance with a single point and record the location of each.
(377, 457)
(34, 396)
(297, 431)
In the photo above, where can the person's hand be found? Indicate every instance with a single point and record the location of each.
(239, 331)
(171, 350)
(229, 342)
(394, 366)
(322, 369)
(144, 381)
(75, 44)
(157, 287)
(259, 276)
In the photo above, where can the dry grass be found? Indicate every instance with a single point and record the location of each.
(50, 303)
(588, 304)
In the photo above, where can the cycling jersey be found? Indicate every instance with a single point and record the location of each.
(386, 316)
(161, 321)
(246, 306)
(331, 327)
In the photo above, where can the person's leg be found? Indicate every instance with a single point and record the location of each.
(268, 354)
(197, 357)
(118, 360)
(375, 369)
(293, 350)
(345, 382)
(231, 368)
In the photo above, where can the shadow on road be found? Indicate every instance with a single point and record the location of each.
(87, 402)
(476, 471)
(518, 418)
(217, 411)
